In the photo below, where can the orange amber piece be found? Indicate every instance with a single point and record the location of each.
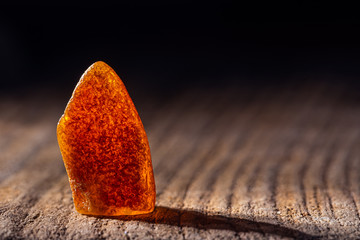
(105, 148)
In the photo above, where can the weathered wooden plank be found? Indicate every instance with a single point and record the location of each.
(229, 163)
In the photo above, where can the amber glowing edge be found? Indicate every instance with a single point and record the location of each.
(94, 193)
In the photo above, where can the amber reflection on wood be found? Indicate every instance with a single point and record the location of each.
(105, 148)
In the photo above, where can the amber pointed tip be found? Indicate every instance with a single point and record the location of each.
(99, 66)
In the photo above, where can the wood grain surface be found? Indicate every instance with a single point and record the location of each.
(230, 162)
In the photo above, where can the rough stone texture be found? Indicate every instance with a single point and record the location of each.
(228, 163)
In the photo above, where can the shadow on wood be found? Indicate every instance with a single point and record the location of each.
(186, 218)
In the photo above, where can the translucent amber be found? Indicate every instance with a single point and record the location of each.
(105, 148)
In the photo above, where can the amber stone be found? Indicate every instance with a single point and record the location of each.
(105, 148)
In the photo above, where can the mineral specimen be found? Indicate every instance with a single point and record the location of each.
(105, 148)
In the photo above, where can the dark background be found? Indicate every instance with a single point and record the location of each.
(165, 47)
